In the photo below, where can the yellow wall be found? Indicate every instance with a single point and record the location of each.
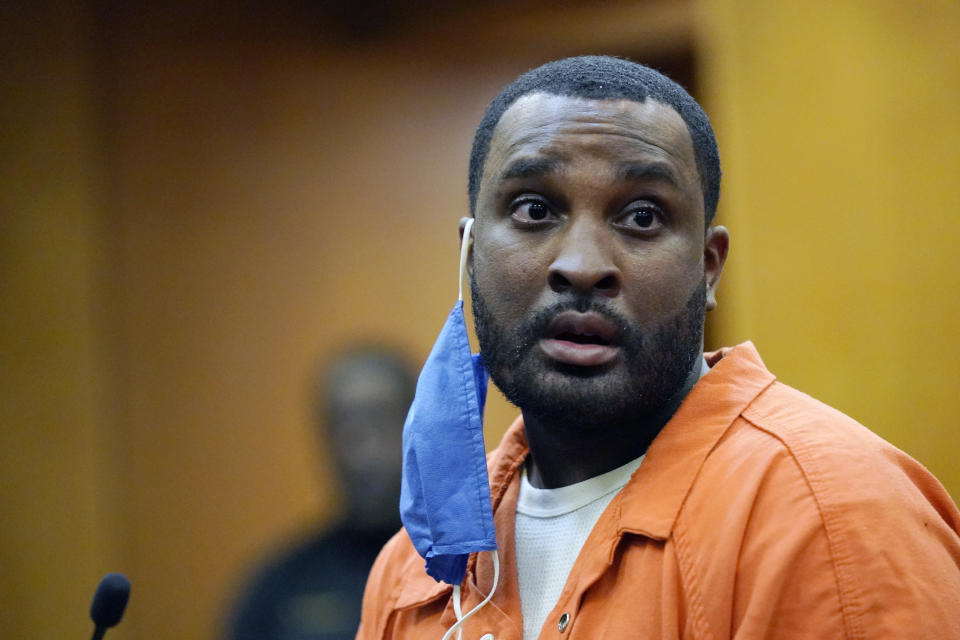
(839, 131)
(57, 524)
(198, 204)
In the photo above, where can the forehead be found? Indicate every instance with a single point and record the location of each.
(571, 128)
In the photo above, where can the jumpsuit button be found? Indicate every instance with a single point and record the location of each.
(486, 636)
(564, 621)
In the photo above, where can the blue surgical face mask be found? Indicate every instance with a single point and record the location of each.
(445, 495)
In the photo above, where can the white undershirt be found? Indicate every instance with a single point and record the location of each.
(551, 527)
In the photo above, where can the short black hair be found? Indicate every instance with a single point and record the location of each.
(605, 78)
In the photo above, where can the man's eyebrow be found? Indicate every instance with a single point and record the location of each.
(530, 168)
(635, 171)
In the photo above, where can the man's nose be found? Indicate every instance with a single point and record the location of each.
(584, 263)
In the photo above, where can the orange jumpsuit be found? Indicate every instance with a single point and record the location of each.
(758, 512)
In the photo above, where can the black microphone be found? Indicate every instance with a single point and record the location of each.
(108, 604)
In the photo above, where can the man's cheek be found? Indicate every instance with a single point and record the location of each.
(659, 293)
(505, 285)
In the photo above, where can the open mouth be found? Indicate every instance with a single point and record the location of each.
(581, 339)
(582, 328)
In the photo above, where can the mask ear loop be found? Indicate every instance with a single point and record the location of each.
(458, 626)
(464, 251)
(456, 600)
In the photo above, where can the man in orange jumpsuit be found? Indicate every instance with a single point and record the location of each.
(650, 490)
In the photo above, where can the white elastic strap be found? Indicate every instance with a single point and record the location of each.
(464, 250)
(458, 610)
(456, 599)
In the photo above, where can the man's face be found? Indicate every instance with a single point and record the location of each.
(591, 269)
(367, 408)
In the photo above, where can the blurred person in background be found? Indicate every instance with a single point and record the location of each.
(313, 590)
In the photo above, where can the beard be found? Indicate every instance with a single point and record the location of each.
(653, 368)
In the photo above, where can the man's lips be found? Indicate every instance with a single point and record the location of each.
(581, 339)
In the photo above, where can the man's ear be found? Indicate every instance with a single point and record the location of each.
(463, 225)
(715, 247)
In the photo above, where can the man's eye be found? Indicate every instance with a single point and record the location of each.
(644, 217)
(530, 211)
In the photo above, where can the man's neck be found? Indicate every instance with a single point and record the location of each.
(558, 459)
